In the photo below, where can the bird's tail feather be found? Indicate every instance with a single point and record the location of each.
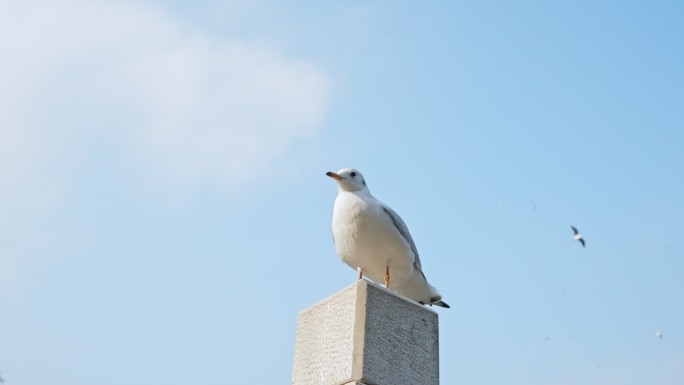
(441, 303)
(419, 290)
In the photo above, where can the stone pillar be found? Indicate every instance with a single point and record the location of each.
(366, 335)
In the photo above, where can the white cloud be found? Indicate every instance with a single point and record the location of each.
(185, 106)
(221, 110)
(177, 107)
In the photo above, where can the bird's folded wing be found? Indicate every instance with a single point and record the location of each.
(403, 230)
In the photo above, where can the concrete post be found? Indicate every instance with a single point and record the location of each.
(366, 335)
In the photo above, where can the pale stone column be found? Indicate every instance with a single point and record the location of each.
(366, 335)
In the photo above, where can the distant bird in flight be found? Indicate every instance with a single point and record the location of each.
(659, 334)
(372, 239)
(578, 236)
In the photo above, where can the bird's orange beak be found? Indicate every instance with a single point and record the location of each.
(334, 175)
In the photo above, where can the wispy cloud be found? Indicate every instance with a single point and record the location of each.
(174, 106)
(185, 106)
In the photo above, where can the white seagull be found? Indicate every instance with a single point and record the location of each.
(578, 236)
(658, 334)
(372, 239)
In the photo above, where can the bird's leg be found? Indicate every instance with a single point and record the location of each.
(360, 273)
(387, 278)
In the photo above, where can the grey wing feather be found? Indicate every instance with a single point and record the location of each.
(403, 230)
(416, 265)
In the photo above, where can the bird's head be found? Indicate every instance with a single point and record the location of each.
(349, 179)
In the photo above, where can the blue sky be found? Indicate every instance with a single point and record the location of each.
(166, 214)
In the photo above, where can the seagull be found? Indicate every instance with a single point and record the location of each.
(373, 239)
(578, 236)
(658, 334)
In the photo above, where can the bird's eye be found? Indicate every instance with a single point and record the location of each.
(353, 174)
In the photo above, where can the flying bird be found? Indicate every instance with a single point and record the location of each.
(658, 334)
(578, 236)
(373, 239)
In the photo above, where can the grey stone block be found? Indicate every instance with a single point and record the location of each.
(366, 335)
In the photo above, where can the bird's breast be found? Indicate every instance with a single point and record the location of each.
(366, 237)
